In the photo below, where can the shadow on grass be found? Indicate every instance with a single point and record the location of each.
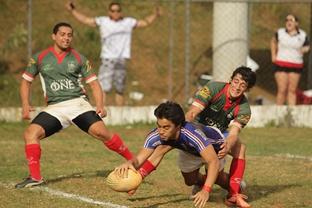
(157, 204)
(98, 173)
(256, 192)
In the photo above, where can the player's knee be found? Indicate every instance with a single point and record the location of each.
(101, 134)
(33, 134)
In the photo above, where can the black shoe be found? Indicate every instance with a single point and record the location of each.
(28, 182)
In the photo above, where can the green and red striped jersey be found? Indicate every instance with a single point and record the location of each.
(60, 75)
(218, 109)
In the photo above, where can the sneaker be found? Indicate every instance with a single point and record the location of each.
(28, 182)
(237, 200)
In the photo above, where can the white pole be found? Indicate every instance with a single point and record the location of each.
(230, 38)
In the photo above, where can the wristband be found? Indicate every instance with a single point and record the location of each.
(207, 188)
(146, 168)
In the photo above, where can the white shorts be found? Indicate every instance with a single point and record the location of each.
(67, 110)
(188, 162)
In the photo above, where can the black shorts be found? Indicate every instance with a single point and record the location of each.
(277, 68)
(51, 124)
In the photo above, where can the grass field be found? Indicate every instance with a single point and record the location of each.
(278, 174)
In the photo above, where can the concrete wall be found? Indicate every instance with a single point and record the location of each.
(262, 116)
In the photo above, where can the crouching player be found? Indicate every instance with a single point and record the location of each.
(197, 143)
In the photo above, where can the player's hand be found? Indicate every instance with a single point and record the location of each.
(101, 111)
(200, 198)
(26, 112)
(122, 170)
(224, 150)
(70, 6)
(157, 11)
(132, 192)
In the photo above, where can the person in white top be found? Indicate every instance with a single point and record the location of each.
(287, 49)
(115, 32)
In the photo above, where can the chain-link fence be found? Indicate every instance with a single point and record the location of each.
(191, 38)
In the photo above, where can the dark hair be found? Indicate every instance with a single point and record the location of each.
(113, 4)
(170, 111)
(60, 24)
(248, 75)
(295, 17)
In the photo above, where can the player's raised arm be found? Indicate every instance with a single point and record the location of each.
(149, 19)
(90, 21)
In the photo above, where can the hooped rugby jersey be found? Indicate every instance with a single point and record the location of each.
(193, 139)
(218, 110)
(60, 75)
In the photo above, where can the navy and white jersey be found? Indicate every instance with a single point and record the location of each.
(193, 139)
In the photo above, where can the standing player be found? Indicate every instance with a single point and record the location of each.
(115, 32)
(196, 142)
(61, 69)
(224, 106)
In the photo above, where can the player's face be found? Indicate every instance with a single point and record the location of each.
(167, 130)
(291, 23)
(63, 37)
(237, 86)
(115, 12)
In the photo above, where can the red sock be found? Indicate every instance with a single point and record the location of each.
(146, 168)
(116, 144)
(236, 174)
(33, 154)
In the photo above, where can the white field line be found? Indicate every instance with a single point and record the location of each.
(69, 196)
(284, 156)
(294, 156)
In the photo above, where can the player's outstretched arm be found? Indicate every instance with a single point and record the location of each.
(209, 155)
(135, 163)
(230, 141)
(90, 21)
(149, 19)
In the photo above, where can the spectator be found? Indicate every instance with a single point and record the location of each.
(287, 49)
(115, 32)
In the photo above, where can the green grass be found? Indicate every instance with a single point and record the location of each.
(73, 162)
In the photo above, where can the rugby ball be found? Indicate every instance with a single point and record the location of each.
(120, 184)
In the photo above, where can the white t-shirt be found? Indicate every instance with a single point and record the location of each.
(115, 36)
(288, 53)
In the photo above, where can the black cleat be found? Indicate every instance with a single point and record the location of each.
(28, 182)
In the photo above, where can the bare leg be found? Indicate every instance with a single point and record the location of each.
(281, 79)
(293, 85)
